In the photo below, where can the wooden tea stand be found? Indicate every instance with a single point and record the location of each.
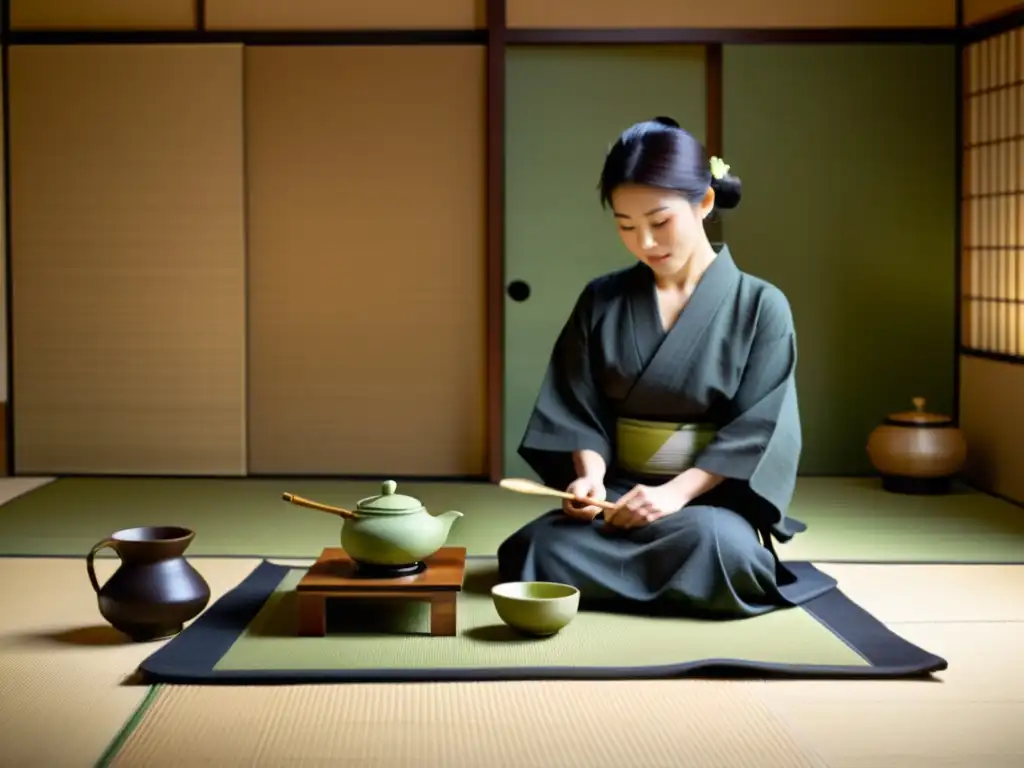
(334, 576)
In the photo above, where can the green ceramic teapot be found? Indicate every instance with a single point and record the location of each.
(388, 530)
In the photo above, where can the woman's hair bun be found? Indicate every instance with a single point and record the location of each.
(728, 191)
(662, 120)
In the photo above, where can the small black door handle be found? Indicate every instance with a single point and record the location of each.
(518, 290)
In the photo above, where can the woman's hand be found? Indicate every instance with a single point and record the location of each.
(584, 487)
(644, 504)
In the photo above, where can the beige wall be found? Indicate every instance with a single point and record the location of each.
(980, 10)
(248, 14)
(465, 14)
(102, 14)
(992, 417)
(332, 14)
(731, 13)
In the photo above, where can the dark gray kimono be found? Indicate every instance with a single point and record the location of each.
(729, 360)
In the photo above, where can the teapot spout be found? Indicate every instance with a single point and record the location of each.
(446, 519)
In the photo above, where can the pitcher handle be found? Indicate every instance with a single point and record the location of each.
(92, 556)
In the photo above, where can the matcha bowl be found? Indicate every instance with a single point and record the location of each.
(538, 608)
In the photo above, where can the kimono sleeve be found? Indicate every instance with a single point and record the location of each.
(761, 444)
(569, 413)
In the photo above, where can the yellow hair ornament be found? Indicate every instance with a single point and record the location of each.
(719, 168)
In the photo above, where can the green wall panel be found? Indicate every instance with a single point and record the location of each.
(847, 155)
(565, 106)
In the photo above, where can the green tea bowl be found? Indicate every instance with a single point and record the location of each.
(540, 608)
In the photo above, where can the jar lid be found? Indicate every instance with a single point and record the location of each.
(919, 416)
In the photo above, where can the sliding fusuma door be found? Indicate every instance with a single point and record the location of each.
(127, 259)
(565, 107)
(366, 232)
(847, 155)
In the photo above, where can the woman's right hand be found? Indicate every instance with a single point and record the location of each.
(584, 487)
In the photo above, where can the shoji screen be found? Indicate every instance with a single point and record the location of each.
(993, 243)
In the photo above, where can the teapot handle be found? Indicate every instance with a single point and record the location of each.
(92, 556)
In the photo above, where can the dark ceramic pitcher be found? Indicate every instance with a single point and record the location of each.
(154, 590)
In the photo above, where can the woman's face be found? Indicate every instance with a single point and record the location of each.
(660, 227)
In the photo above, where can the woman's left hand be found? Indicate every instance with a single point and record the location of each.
(644, 504)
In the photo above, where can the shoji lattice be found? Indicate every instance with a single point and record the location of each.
(993, 197)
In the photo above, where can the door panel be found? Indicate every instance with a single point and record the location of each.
(564, 108)
(128, 259)
(366, 195)
(849, 207)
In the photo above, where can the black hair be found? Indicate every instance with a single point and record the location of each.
(658, 153)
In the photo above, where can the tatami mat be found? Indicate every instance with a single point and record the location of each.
(13, 487)
(849, 519)
(985, 665)
(930, 593)
(59, 663)
(969, 717)
(538, 725)
(928, 735)
(62, 697)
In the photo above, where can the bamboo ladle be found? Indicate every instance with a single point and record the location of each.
(300, 501)
(522, 485)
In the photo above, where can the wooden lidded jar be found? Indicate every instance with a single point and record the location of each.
(916, 451)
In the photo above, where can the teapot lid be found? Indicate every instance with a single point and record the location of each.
(919, 416)
(388, 501)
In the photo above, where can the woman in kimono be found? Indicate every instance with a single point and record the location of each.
(670, 391)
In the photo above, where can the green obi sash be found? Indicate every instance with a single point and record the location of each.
(659, 448)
